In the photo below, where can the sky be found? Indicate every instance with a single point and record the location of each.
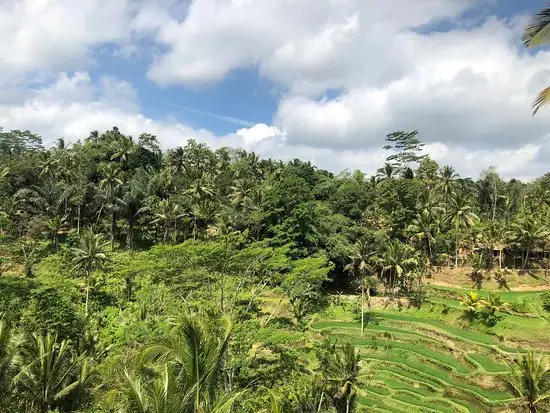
(322, 80)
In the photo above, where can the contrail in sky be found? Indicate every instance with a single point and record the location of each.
(230, 119)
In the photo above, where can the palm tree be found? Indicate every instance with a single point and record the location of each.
(447, 181)
(176, 158)
(167, 213)
(423, 229)
(48, 167)
(395, 261)
(472, 302)
(197, 357)
(429, 202)
(387, 172)
(530, 381)
(360, 266)
(132, 201)
(340, 368)
(8, 351)
(50, 372)
(537, 33)
(89, 257)
(461, 216)
(492, 304)
(124, 147)
(109, 184)
(56, 226)
(77, 196)
(528, 232)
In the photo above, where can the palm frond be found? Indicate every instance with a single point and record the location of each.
(537, 31)
(542, 99)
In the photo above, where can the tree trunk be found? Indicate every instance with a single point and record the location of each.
(130, 235)
(320, 401)
(456, 251)
(113, 228)
(363, 305)
(87, 291)
(526, 260)
(275, 310)
(78, 220)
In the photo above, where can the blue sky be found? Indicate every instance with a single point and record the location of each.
(244, 94)
(324, 80)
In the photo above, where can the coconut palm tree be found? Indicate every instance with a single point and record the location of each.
(8, 352)
(109, 184)
(361, 266)
(196, 356)
(491, 305)
(388, 171)
(90, 256)
(447, 181)
(423, 228)
(537, 33)
(528, 232)
(472, 302)
(167, 213)
(50, 372)
(396, 259)
(124, 147)
(429, 202)
(460, 215)
(48, 167)
(56, 226)
(131, 203)
(529, 380)
(340, 368)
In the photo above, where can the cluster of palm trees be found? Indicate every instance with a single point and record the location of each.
(39, 372)
(165, 197)
(487, 307)
(186, 373)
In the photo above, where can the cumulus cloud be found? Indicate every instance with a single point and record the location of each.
(39, 36)
(466, 86)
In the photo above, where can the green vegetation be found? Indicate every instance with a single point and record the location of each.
(195, 280)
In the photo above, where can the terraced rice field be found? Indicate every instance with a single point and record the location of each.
(424, 364)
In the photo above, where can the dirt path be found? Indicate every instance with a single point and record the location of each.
(520, 288)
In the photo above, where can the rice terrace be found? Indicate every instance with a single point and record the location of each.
(433, 359)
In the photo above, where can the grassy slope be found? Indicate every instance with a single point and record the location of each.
(433, 360)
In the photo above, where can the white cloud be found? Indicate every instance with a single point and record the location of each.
(49, 35)
(73, 106)
(467, 89)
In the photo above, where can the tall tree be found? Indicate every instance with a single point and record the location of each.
(361, 265)
(109, 184)
(460, 215)
(406, 146)
(90, 256)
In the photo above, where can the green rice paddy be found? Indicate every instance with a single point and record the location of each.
(431, 360)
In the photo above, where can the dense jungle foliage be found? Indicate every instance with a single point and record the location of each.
(139, 280)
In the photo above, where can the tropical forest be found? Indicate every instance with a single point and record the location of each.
(192, 279)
